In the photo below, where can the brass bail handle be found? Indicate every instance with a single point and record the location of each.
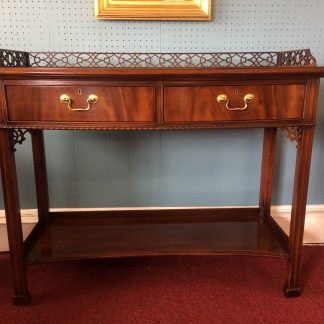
(223, 99)
(92, 99)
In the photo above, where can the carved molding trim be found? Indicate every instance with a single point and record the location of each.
(18, 137)
(294, 133)
(157, 127)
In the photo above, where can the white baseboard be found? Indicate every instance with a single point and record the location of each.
(313, 234)
(314, 222)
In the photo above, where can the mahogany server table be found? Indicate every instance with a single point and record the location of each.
(124, 91)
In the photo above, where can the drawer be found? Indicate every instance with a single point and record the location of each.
(199, 103)
(114, 103)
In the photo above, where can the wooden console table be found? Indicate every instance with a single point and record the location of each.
(104, 91)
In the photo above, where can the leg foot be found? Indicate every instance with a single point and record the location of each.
(21, 300)
(291, 292)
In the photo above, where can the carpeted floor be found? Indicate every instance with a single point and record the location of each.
(167, 290)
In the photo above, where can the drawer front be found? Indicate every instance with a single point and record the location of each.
(114, 103)
(199, 103)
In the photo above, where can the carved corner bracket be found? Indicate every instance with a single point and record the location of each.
(18, 137)
(294, 133)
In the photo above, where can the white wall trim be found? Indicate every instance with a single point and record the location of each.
(314, 223)
(28, 216)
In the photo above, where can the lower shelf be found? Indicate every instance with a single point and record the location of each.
(82, 235)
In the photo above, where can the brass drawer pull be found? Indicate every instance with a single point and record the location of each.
(223, 99)
(92, 99)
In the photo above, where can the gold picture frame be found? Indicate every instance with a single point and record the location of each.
(153, 9)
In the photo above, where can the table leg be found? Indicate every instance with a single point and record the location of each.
(302, 169)
(268, 162)
(11, 200)
(40, 173)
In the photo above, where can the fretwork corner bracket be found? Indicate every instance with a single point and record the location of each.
(294, 133)
(18, 137)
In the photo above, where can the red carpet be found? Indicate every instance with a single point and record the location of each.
(167, 290)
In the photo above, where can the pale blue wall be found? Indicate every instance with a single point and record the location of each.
(217, 167)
